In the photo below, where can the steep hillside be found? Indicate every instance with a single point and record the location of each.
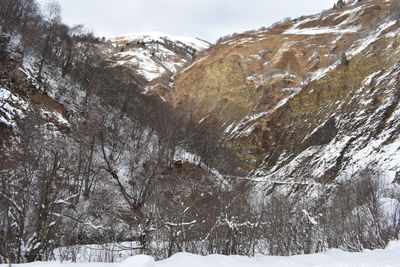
(85, 156)
(89, 156)
(152, 54)
(310, 99)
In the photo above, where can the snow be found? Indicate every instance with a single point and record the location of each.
(240, 130)
(138, 261)
(106, 252)
(368, 80)
(55, 115)
(379, 151)
(364, 43)
(143, 62)
(320, 73)
(350, 11)
(229, 128)
(390, 207)
(154, 36)
(59, 264)
(184, 155)
(12, 107)
(310, 218)
(321, 30)
(393, 34)
(332, 258)
(340, 29)
(156, 57)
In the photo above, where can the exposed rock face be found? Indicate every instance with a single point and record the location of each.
(220, 88)
(19, 76)
(311, 98)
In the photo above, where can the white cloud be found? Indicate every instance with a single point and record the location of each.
(206, 19)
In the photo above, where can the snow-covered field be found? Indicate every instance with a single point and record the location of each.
(389, 257)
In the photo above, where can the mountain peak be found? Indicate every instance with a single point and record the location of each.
(154, 36)
(152, 54)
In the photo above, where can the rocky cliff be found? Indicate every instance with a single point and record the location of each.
(314, 98)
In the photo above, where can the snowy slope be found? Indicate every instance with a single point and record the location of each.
(151, 54)
(375, 258)
(159, 36)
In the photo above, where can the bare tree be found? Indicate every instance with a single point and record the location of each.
(52, 15)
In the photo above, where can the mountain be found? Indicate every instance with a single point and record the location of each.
(283, 140)
(152, 54)
(313, 99)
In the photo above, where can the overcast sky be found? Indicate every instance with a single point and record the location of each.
(206, 19)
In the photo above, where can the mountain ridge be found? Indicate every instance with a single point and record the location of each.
(152, 54)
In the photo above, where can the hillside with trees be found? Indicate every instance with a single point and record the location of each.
(280, 141)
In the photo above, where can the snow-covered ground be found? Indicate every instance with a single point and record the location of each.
(389, 257)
